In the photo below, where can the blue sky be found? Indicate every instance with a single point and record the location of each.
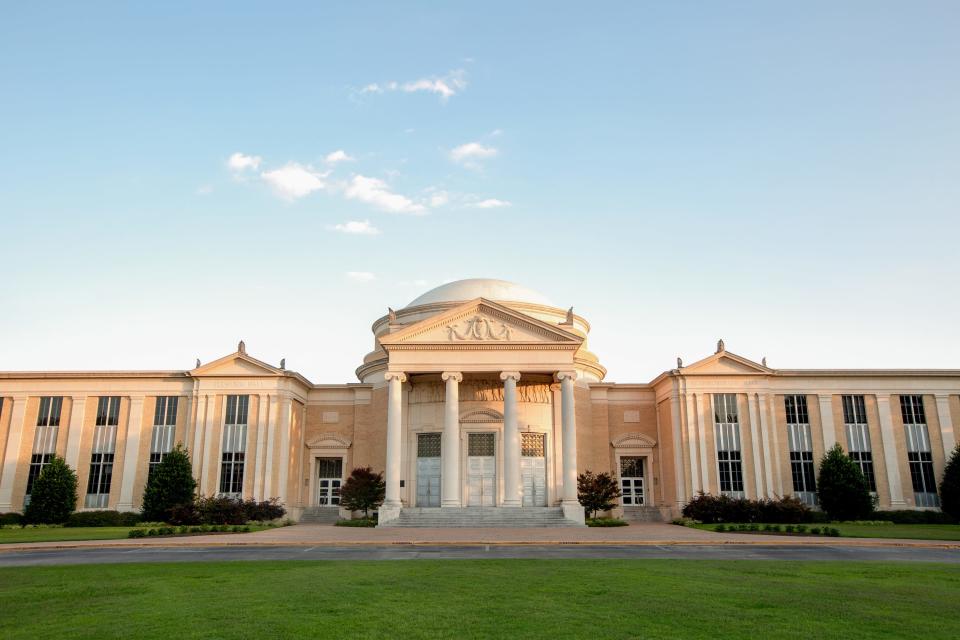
(786, 176)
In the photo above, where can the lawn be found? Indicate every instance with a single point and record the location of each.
(904, 531)
(66, 534)
(482, 598)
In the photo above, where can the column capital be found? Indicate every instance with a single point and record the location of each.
(400, 376)
(451, 375)
(564, 375)
(510, 375)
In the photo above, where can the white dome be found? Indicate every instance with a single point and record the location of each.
(497, 290)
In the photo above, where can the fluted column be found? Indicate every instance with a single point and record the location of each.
(890, 451)
(826, 422)
(450, 449)
(568, 420)
(946, 425)
(18, 425)
(395, 382)
(512, 491)
(131, 454)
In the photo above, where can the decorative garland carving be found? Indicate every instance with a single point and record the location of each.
(638, 440)
(328, 441)
(481, 416)
(478, 328)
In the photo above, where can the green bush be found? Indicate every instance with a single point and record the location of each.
(710, 509)
(914, 516)
(102, 519)
(719, 528)
(605, 522)
(597, 492)
(800, 528)
(359, 522)
(832, 532)
(171, 483)
(221, 510)
(788, 528)
(53, 496)
(841, 488)
(364, 490)
(950, 486)
(12, 518)
(264, 511)
(136, 533)
(815, 531)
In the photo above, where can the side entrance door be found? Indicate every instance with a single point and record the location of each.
(631, 481)
(533, 469)
(481, 470)
(330, 475)
(428, 469)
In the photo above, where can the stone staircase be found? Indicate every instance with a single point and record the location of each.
(486, 517)
(642, 514)
(319, 515)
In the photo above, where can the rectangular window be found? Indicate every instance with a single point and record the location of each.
(234, 446)
(858, 437)
(44, 439)
(727, 424)
(801, 449)
(102, 453)
(918, 451)
(164, 426)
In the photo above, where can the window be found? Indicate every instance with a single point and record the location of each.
(631, 480)
(234, 446)
(727, 424)
(918, 451)
(102, 453)
(801, 449)
(164, 426)
(44, 440)
(858, 437)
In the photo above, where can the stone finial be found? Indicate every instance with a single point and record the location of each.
(283, 363)
(763, 361)
(679, 362)
(720, 346)
(198, 364)
(241, 347)
(569, 320)
(391, 315)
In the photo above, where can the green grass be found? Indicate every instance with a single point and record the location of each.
(904, 531)
(69, 534)
(482, 598)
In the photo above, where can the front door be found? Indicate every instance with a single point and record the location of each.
(533, 469)
(330, 475)
(631, 481)
(481, 470)
(428, 469)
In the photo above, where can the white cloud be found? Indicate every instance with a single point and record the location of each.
(294, 180)
(439, 198)
(338, 156)
(361, 276)
(358, 227)
(241, 162)
(467, 154)
(445, 86)
(492, 203)
(376, 192)
(204, 189)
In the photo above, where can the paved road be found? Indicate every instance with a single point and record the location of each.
(438, 552)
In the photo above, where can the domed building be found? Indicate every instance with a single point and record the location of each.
(481, 402)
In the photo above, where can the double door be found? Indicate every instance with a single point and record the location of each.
(428, 469)
(330, 476)
(533, 469)
(481, 470)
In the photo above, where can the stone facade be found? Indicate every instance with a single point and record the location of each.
(527, 391)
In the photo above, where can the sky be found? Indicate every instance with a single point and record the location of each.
(175, 178)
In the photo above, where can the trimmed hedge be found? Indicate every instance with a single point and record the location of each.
(11, 518)
(605, 522)
(222, 510)
(913, 516)
(102, 519)
(359, 522)
(711, 509)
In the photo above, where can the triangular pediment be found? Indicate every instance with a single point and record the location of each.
(236, 364)
(725, 363)
(478, 323)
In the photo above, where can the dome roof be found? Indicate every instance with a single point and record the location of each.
(497, 290)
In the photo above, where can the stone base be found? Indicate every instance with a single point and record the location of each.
(387, 514)
(574, 512)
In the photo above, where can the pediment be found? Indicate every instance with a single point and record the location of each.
(481, 323)
(633, 441)
(236, 364)
(328, 441)
(725, 363)
(481, 416)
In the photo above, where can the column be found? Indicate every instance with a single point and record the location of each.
(512, 491)
(568, 420)
(14, 435)
(702, 443)
(450, 449)
(755, 446)
(677, 450)
(286, 406)
(946, 425)
(767, 432)
(890, 452)
(130, 454)
(209, 472)
(260, 452)
(693, 443)
(391, 504)
(198, 435)
(826, 422)
(77, 406)
(271, 437)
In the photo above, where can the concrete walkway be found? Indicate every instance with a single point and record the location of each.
(636, 534)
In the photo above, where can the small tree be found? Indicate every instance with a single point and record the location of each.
(950, 486)
(842, 489)
(53, 496)
(169, 485)
(597, 492)
(363, 490)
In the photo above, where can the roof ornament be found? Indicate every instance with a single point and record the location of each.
(198, 364)
(391, 315)
(283, 363)
(679, 362)
(569, 320)
(241, 347)
(720, 346)
(763, 361)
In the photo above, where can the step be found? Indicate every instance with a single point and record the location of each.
(486, 517)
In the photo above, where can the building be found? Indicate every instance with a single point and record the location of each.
(481, 393)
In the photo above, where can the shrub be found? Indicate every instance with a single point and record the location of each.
(136, 533)
(597, 492)
(364, 490)
(815, 531)
(914, 516)
(183, 514)
(264, 511)
(719, 528)
(220, 510)
(785, 510)
(102, 519)
(833, 532)
(12, 518)
(800, 528)
(788, 528)
(775, 528)
(171, 483)
(54, 494)
(710, 509)
(950, 486)
(841, 488)
(359, 522)
(605, 522)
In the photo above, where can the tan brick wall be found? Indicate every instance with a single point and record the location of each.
(370, 437)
